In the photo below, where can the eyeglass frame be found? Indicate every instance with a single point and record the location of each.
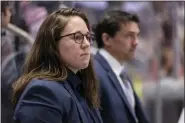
(91, 41)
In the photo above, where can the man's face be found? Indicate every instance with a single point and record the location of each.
(6, 16)
(124, 43)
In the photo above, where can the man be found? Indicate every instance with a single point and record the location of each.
(117, 37)
(11, 62)
(5, 13)
(8, 69)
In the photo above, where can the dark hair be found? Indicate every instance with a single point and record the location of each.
(110, 24)
(167, 31)
(43, 60)
(4, 5)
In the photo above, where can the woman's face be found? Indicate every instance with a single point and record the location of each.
(74, 49)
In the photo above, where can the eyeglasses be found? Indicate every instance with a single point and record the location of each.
(79, 37)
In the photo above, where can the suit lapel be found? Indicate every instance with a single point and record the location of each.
(114, 81)
(98, 114)
(80, 110)
(117, 86)
(141, 115)
(138, 106)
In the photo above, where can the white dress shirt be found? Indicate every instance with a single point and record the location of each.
(181, 118)
(117, 69)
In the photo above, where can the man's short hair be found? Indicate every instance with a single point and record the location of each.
(111, 24)
(4, 5)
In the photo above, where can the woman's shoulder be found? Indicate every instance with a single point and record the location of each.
(49, 86)
(46, 92)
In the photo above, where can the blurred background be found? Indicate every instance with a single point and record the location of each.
(158, 69)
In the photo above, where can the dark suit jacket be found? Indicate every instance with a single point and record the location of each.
(49, 102)
(11, 71)
(115, 107)
(12, 60)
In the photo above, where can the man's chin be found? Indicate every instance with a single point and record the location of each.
(131, 57)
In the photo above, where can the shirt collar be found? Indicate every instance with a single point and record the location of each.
(114, 63)
(74, 79)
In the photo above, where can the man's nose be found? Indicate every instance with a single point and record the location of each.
(135, 42)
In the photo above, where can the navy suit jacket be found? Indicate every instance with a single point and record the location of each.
(115, 107)
(49, 102)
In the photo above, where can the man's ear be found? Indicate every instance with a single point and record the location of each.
(106, 39)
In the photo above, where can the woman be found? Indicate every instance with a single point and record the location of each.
(58, 84)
